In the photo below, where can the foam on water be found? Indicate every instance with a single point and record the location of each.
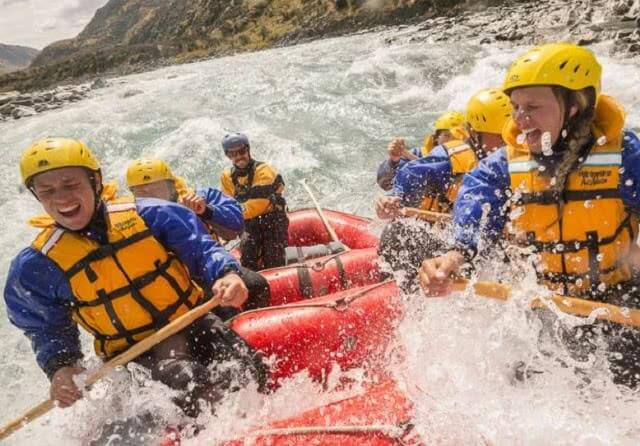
(325, 112)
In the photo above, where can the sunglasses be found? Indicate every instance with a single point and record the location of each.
(238, 152)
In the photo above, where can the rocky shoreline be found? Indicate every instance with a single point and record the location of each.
(16, 105)
(585, 22)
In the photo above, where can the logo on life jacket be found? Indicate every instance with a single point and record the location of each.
(594, 178)
(125, 224)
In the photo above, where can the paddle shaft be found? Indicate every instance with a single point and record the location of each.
(330, 230)
(572, 305)
(433, 217)
(141, 347)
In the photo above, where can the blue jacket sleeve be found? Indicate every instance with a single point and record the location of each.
(221, 209)
(181, 231)
(37, 296)
(483, 190)
(630, 178)
(387, 170)
(425, 176)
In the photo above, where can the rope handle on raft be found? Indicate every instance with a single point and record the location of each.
(571, 305)
(136, 350)
(341, 304)
(390, 430)
(317, 266)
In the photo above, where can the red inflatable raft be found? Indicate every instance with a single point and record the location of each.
(319, 276)
(307, 229)
(322, 276)
(350, 329)
(379, 417)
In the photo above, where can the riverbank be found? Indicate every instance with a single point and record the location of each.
(585, 22)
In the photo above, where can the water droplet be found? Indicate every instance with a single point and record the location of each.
(600, 257)
(542, 168)
(588, 204)
(559, 247)
(621, 170)
(553, 181)
(564, 133)
(579, 282)
(545, 140)
(602, 140)
(602, 287)
(516, 213)
(521, 138)
(498, 193)
(629, 182)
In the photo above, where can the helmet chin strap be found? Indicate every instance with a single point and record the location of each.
(97, 193)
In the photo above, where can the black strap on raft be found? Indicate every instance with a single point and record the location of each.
(304, 281)
(297, 254)
(342, 274)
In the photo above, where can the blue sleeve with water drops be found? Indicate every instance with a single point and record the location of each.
(222, 209)
(630, 177)
(38, 299)
(483, 190)
(425, 176)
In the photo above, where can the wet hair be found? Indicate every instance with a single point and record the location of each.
(573, 143)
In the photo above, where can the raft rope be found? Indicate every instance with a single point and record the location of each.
(396, 432)
(339, 304)
(317, 266)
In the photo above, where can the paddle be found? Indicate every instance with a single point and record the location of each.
(433, 217)
(141, 347)
(330, 230)
(572, 305)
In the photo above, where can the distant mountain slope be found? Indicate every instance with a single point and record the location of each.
(15, 57)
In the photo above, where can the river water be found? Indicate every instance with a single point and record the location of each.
(324, 112)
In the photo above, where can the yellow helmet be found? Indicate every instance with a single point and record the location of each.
(488, 110)
(55, 153)
(562, 64)
(448, 121)
(148, 171)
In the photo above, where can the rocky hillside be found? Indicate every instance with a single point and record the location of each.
(129, 34)
(132, 35)
(14, 57)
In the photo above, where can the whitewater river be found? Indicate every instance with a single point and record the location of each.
(324, 112)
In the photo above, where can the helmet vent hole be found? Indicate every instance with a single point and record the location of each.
(563, 64)
(587, 73)
(575, 70)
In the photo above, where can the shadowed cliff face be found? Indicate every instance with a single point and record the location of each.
(133, 35)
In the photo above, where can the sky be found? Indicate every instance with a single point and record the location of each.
(37, 23)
